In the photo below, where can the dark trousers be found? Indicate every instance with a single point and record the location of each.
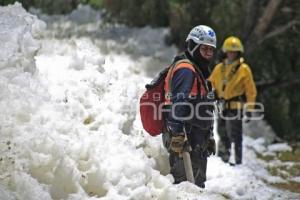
(230, 131)
(199, 141)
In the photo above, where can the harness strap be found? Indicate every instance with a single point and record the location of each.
(185, 63)
(240, 98)
(177, 64)
(234, 69)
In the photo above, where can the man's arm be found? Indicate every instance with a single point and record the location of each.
(250, 89)
(182, 83)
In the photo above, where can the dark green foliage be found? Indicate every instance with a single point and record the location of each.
(278, 59)
(94, 3)
(6, 2)
(138, 12)
(184, 15)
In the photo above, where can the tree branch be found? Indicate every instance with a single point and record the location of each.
(278, 83)
(262, 25)
(279, 30)
(265, 21)
(251, 16)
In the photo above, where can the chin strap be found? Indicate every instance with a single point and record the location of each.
(191, 52)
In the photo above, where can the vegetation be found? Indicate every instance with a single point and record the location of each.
(269, 30)
(285, 165)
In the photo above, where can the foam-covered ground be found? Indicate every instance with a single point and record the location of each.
(69, 116)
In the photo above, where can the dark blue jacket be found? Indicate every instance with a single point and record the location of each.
(181, 86)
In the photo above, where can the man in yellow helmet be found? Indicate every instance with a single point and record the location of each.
(235, 88)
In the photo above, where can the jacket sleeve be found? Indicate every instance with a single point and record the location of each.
(214, 77)
(250, 89)
(181, 86)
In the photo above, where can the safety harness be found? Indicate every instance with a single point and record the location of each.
(241, 98)
(199, 85)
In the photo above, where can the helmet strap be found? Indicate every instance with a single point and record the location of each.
(193, 50)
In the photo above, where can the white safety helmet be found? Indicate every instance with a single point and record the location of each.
(201, 35)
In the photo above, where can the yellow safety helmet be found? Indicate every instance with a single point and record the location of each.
(232, 44)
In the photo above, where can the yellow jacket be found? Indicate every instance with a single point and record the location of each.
(238, 81)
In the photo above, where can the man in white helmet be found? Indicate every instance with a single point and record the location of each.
(186, 85)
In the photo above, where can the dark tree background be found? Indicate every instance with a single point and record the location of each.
(269, 29)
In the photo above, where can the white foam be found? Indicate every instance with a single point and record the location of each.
(71, 130)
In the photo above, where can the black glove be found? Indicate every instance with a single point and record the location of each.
(177, 142)
(248, 117)
(211, 146)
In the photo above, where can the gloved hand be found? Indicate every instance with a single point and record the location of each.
(211, 94)
(177, 142)
(211, 146)
(248, 117)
